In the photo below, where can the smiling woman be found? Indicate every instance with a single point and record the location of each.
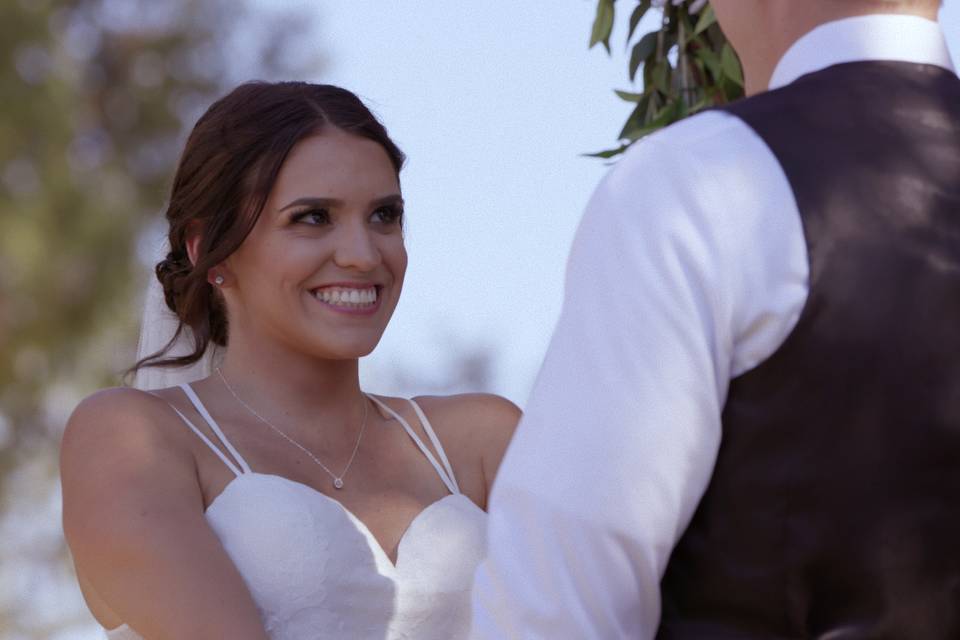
(233, 160)
(307, 248)
(223, 507)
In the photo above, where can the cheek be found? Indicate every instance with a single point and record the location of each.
(274, 268)
(395, 256)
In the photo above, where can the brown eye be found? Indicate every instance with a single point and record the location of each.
(388, 215)
(313, 217)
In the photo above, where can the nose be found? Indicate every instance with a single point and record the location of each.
(356, 248)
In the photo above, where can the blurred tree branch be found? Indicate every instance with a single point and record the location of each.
(98, 95)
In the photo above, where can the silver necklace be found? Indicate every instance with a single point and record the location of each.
(337, 480)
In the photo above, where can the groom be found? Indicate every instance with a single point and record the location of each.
(748, 422)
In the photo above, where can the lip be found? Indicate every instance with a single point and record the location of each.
(347, 285)
(349, 311)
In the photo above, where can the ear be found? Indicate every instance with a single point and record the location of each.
(193, 247)
(193, 251)
(193, 241)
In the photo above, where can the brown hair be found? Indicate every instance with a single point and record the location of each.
(229, 166)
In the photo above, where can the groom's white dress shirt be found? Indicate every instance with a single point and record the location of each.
(689, 268)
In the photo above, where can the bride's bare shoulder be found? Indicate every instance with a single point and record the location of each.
(476, 426)
(483, 414)
(118, 412)
(119, 457)
(114, 429)
(134, 521)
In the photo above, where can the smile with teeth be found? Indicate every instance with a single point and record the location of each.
(348, 297)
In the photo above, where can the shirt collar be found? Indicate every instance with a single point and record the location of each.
(901, 38)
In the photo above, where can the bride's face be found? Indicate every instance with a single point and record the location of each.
(322, 269)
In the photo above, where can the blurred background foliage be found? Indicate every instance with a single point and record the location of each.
(686, 64)
(97, 97)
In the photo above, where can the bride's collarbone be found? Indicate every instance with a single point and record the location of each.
(389, 479)
(381, 481)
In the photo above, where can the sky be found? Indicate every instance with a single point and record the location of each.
(494, 103)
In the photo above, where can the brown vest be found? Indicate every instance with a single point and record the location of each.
(834, 509)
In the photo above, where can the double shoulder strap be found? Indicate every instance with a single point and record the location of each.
(241, 466)
(445, 472)
(202, 410)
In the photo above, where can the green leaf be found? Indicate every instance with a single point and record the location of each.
(609, 153)
(642, 132)
(667, 115)
(636, 17)
(707, 18)
(683, 24)
(710, 59)
(602, 24)
(641, 51)
(661, 76)
(637, 118)
(731, 65)
(653, 108)
(705, 103)
(628, 96)
(635, 129)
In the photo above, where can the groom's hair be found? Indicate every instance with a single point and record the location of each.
(228, 168)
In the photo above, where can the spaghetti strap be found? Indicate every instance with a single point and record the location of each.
(230, 465)
(442, 471)
(435, 440)
(202, 410)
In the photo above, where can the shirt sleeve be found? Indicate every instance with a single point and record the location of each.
(622, 429)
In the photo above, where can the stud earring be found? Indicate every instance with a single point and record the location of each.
(218, 280)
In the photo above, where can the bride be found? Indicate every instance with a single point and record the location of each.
(274, 498)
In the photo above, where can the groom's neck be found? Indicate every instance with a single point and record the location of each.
(783, 22)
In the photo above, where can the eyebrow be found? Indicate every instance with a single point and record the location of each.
(394, 198)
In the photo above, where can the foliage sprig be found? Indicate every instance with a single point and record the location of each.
(687, 65)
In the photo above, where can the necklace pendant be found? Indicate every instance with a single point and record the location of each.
(337, 483)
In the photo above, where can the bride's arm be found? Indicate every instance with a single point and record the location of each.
(497, 418)
(133, 518)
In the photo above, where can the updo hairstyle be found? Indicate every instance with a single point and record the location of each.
(228, 168)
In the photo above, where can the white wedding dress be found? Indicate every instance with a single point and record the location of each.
(316, 571)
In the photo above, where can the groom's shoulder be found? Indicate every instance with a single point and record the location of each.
(709, 160)
(709, 138)
(707, 127)
(708, 180)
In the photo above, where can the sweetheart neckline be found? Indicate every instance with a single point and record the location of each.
(364, 529)
(372, 539)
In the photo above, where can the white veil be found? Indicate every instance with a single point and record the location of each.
(157, 326)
